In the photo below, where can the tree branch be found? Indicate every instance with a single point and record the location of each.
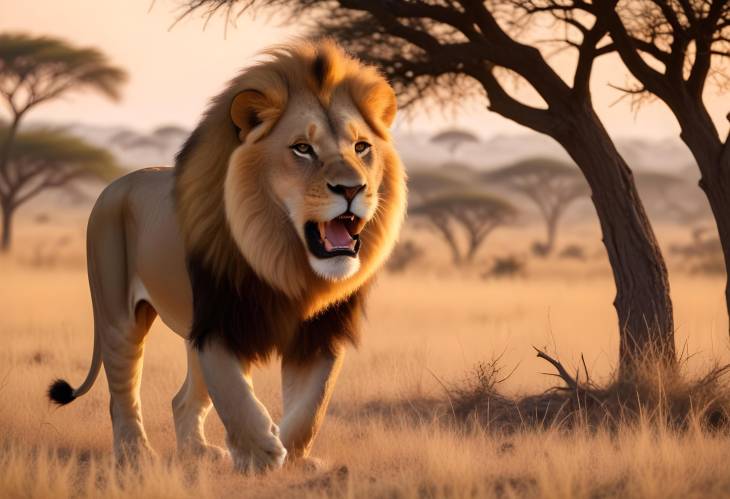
(628, 51)
(502, 103)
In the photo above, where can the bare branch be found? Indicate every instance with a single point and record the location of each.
(569, 380)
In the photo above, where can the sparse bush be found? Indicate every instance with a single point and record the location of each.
(42, 218)
(654, 395)
(540, 249)
(573, 251)
(507, 266)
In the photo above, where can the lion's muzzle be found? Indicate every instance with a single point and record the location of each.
(337, 237)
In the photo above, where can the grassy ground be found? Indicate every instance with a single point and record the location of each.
(427, 329)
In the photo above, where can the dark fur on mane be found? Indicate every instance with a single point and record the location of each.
(320, 68)
(326, 331)
(253, 320)
(191, 143)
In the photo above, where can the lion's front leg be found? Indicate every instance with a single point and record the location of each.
(251, 435)
(307, 388)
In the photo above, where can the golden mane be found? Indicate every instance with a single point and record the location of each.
(323, 69)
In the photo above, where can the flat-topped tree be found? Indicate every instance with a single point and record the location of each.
(43, 159)
(453, 138)
(475, 214)
(34, 70)
(550, 184)
(424, 184)
(444, 52)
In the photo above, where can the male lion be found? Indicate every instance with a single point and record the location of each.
(283, 203)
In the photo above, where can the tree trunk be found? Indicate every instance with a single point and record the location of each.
(713, 159)
(642, 298)
(6, 207)
(8, 143)
(551, 223)
(455, 253)
(472, 251)
(552, 230)
(442, 228)
(7, 225)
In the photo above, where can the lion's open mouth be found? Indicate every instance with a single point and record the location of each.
(337, 237)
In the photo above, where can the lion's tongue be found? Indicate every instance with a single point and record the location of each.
(336, 233)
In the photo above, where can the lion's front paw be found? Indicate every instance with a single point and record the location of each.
(257, 452)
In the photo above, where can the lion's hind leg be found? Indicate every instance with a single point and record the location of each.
(190, 408)
(122, 354)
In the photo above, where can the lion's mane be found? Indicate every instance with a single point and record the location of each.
(269, 299)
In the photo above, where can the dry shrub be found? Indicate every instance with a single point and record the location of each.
(653, 394)
(506, 266)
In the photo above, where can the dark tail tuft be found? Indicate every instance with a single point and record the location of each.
(60, 392)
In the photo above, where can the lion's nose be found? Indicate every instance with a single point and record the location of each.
(347, 191)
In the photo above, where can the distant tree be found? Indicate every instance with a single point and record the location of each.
(550, 184)
(453, 138)
(34, 70)
(171, 132)
(446, 51)
(426, 183)
(672, 196)
(460, 170)
(476, 214)
(43, 159)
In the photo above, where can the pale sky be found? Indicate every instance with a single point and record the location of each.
(173, 72)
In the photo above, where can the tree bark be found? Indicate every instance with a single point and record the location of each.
(713, 160)
(642, 300)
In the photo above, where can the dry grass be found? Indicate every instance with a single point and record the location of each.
(382, 438)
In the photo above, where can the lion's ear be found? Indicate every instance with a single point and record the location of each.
(378, 105)
(387, 104)
(252, 109)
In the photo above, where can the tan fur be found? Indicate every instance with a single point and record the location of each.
(237, 201)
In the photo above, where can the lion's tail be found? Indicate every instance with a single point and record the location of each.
(62, 393)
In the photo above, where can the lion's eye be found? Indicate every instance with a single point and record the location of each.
(362, 148)
(303, 149)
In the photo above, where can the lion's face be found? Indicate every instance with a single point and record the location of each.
(326, 177)
(313, 190)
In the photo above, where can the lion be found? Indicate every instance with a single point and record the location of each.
(262, 240)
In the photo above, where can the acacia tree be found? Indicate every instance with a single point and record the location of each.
(476, 214)
(671, 48)
(34, 70)
(453, 138)
(426, 183)
(444, 50)
(552, 185)
(43, 159)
